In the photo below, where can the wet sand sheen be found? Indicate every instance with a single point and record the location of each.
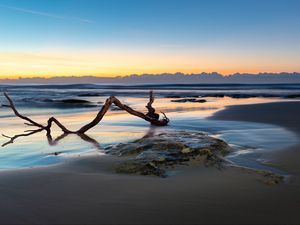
(86, 191)
(116, 127)
(285, 114)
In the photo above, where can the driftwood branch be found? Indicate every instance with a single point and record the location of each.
(113, 100)
(98, 118)
(12, 106)
(59, 124)
(151, 116)
(151, 110)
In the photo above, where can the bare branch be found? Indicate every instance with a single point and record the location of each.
(128, 109)
(151, 110)
(165, 117)
(151, 117)
(29, 124)
(6, 136)
(59, 124)
(12, 106)
(98, 118)
(113, 100)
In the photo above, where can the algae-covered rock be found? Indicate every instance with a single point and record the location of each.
(155, 155)
(190, 100)
(186, 150)
(137, 167)
(151, 155)
(271, 178)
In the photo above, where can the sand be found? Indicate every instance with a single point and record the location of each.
(87, 191)
(285, 114)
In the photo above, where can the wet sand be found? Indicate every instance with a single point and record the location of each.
(86, 190)
(284, 114)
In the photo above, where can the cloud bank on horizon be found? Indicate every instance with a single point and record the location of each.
(118, 37)
(167, 78)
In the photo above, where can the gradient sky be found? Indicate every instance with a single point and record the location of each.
(109, 38)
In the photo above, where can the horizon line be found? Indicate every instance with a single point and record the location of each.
(16, 77)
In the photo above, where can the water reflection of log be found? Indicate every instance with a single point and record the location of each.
(26, 134)
(84, 137)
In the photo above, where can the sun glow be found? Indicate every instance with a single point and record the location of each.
(120, 62)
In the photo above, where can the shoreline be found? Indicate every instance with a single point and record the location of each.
(87, 191)
(252, 113)
(284, 114)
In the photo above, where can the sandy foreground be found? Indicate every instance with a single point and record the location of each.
(87, 191)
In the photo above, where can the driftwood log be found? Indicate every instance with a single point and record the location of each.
(151, 116)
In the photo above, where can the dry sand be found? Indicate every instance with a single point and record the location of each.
(86, 191)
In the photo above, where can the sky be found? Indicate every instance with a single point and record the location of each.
(110, 38)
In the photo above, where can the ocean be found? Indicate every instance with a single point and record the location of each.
(77, 104)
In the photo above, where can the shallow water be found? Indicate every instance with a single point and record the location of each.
(248, 139)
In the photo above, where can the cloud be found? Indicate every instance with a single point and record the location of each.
(45, 14)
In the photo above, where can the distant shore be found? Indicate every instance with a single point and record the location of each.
(166, 78)
(86, 191)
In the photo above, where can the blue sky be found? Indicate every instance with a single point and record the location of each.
(179, 30)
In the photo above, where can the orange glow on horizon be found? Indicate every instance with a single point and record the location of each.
(120, 74)
(112, 63)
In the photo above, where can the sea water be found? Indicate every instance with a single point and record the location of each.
(40, 102)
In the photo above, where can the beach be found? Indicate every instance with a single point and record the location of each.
(149, 112)
(86, 190)
(283, 114)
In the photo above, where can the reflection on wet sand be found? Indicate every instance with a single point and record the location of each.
(116, 127)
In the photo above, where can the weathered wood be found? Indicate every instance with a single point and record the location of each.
(151, 110)
(98, 118)
(12, 106)
(151, 117)
(59, 124)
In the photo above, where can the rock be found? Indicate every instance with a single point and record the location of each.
(155, 155)
(218, 95)
(140, 168)
(186, 150)
(74, 101)
(172, 96)
(161, 159)
(271, 178)
(152, 155)
(189, 100)
(60, 103)
(267, 177)
(206, 152)
(293, 96)
(89, 95)
(56, 153)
